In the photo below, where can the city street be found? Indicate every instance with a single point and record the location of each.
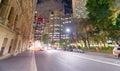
(54, 60)
(59, 35)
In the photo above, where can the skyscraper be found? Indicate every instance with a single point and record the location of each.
(79, 9)
(57, 28)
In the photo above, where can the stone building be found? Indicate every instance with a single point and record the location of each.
(16, 18)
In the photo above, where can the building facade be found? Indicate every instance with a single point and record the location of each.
(56, 26)
(39, 26)
(79, 9)
(58, 23)
(16, 18)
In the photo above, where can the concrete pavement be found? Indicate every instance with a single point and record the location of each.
(21, 62)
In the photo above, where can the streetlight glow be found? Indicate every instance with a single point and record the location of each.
(68, 30)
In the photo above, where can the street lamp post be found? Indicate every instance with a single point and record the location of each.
(67, 32)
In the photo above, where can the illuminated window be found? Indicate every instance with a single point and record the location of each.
(66, 18)
(51, 18)
(50, 33)
(66, 22)
(69, 21)
(57, 25)
(51, 25)
(51, 15)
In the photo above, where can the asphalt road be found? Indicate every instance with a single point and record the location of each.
(69, 61)
(54, 60)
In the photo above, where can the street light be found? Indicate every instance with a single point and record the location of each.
(67, 30)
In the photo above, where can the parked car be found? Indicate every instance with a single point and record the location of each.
(49, 48)
(116, 51)
(69, 48)
(59, 48)
(78, 50)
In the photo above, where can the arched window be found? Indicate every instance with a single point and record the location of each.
(3, 7)
(11, 16)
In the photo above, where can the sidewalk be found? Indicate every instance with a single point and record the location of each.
(21, 62)
(9, 55)
(5, 56)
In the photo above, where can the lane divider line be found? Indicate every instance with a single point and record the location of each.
(33, 63)
(100, 61)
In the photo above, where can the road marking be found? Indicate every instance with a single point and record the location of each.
(99, 61)
(33, 63)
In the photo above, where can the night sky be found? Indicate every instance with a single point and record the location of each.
(67, 5)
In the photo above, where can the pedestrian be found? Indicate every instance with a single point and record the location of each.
(97, 49)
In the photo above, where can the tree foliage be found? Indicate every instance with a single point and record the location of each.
(99, 13)
(118, 22)
(104, 17)
(45, 38)
(83, 30)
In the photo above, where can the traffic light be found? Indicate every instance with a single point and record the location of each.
(39, 19)
(36, 18)
(43, 20)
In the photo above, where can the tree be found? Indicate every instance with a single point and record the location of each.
(62, 42)
(105, 18)
(83, 30)
(99, 13)
(45, 38)
(114, 31)
(118, 22)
